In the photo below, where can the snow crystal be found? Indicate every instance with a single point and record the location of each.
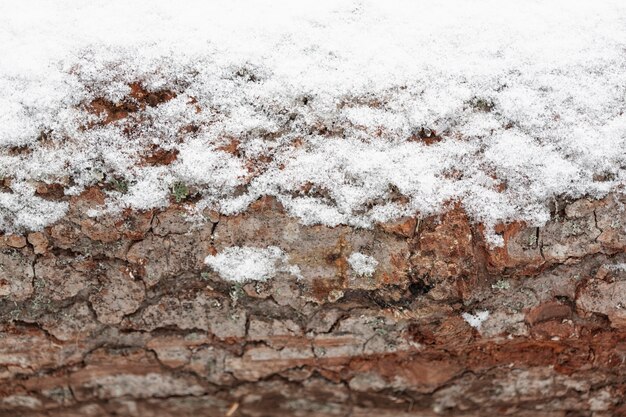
(348, 112)
(243, 263)
(362, 264)
(476, 320)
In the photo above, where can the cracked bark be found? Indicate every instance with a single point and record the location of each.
(122, 317)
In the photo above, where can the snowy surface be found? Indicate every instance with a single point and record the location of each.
(362, 264)
(243, 263)
(319, 103)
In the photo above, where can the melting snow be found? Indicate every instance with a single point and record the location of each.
(326, 105)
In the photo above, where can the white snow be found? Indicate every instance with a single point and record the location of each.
(362, 264)
(244, 263)
(476, 320)
(22, 209)
(323, 97)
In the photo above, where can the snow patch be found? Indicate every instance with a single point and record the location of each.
(362, 264)
(244, 263)
(476, 320)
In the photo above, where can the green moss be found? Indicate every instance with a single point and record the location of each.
(180, 191)
(236, 293)
(121, 185)
(501, 284)
(482, 104)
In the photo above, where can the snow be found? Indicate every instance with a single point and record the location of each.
(22, 209)
(323, 99)
(476, 320)
(243, 263)
(362, 264)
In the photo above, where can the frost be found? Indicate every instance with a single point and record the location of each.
(476, 320)
(243, 263)
(362, 264)
(621, 267)
(348, 112)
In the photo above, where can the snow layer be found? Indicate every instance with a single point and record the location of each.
(331, 106)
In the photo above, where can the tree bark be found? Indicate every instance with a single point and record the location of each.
(121, 316)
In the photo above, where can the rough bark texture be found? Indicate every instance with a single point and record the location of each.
(120, 316)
